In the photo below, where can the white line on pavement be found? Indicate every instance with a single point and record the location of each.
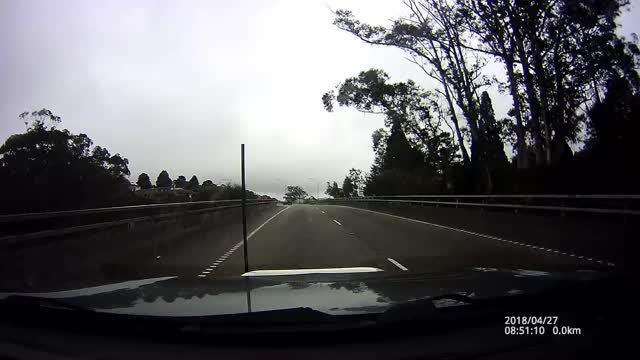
(263, 224)
(337, 222)
(323, 212)
(464, 231)
(224, 257)
(397, 264)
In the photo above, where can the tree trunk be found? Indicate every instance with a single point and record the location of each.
(529, 85)
(522, 159)
(463, 149)
(447, 92)
(534, 104)
(544, 99)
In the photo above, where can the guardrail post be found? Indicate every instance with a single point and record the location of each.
(562, 212)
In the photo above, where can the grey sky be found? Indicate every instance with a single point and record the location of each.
(178, 85)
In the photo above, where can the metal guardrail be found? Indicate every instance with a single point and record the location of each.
(12, 239)
(508, 196)
(562, 209)
(66, 213)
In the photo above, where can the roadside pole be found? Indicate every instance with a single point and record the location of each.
(244, 214)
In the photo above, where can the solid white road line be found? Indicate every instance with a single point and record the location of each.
(263, 224)
(337, 222)
(397, 264)
(464, 231)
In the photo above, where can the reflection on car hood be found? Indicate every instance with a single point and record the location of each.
(332, 294)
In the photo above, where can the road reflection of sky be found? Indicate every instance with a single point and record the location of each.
(196, 297)
(318, 296)
(127, 285)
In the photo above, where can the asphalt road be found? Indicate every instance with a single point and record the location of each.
(291, 237)
(324, 236)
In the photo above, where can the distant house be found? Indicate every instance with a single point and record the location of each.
(133, 187)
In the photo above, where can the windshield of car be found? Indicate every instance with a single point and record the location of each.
(171, 157)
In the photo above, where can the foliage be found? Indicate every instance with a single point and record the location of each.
(144, 182)
(347, 188)
(416, 138)
(210, 191)
(333, 190)
(180, 182)
(295, 193)
(163, 180)
(47, 168)
(355, 180)
(193, 183)
(433, 36)
(559, 58)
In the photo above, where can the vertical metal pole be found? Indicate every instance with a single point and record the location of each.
(244, 214)
(248, 292)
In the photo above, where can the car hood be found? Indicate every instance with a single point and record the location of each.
(333, 294)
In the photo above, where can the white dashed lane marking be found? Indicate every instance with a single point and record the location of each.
(483, 235)
(337, 222)
(397, 264)
(224, 257)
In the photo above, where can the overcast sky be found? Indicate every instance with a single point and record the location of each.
(179, 85)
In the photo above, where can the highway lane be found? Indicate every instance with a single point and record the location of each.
(320, 236)
(280, 237)
(168, 248)
(196, 251)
